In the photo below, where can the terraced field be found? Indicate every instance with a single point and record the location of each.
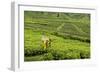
(69, 34)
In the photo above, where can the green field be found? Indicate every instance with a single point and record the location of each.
(69, 34)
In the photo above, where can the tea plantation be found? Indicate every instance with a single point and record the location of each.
(69, 33)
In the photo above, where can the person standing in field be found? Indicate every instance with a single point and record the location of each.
(46, 41)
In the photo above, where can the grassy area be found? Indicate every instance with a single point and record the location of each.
(69, 34)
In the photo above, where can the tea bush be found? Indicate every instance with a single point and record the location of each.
(84, 54)
(48, 56)
(58, 55)
(72, 55)
(51, 54)
(33, 52)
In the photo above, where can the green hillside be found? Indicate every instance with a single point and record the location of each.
(69, 32)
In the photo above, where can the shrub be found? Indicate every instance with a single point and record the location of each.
(48, 56)
(55, 33)
(72, 55)
(33, 52)
(54, 54)
(85, 54)
(69, 36)
(65, 54)
(58, 55)
(27, 52)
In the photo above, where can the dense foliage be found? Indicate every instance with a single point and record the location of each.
(69, 32)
